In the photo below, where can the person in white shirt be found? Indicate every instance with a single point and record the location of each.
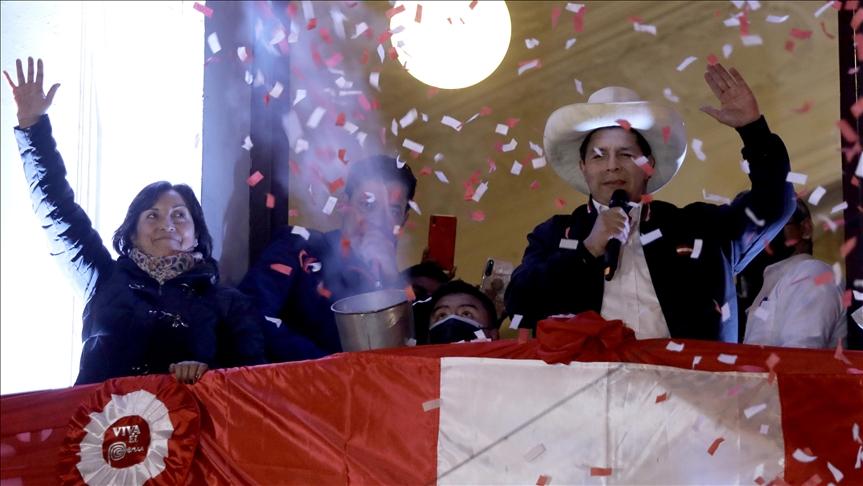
(799, 304)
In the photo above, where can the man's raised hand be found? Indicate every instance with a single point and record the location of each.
(31, 99)
(738, 106)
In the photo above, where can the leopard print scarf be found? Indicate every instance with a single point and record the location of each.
(165, 268)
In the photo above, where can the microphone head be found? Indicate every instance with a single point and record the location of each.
(619, 198)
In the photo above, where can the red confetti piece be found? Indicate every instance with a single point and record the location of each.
(646, 198)
(807, 105)
(848, 133)
(523, 335)
(600, 471)
(625, 124)
(789, 45)
(512, 122)
(281, 268)
(634, 19)
(477, 216)
(345, 245)
(759, 480)
(208, 12)
(364, 58)
(744, 24)
(334, 60)
(828, 34)
(271, 201)
(560, 202)
(578, 20)
(336, 185)
(395, 10)
(800, 33)
(292, 9)
(393, 54)
(419, 16)
(846, 298)
(534, 185)
(383, 38)
(823, 278)
(412, 296)
(666, 134)
(857, 107)
(555, 16)
(426, 171)
(715, 445)
(312, 24)
(485, 111)
(432, 91)
(323, 291)
(293, 213)
(846, 247)
(712, 59)
(340, 120)
(661, 398)
(491, 166)
(856, 20)
(343, 155)
(839, 354)
(815, 480)
(325, 35)
(473, 4)
(255, 178)
(772, 361)
(543, 480)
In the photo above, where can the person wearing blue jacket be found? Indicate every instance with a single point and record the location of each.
(302, 272)
(672, 273)
(159, 307)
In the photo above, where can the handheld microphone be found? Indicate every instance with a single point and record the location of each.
(619, 199)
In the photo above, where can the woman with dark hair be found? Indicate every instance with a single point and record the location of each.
(159, 307)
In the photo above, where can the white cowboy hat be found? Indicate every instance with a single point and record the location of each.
(567, 126)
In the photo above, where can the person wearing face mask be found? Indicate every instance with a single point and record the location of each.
(664, 271)
(158, 308)
(798, 305)
(302, 272)
(460, 312)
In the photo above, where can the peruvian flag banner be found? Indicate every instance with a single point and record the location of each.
(584, 403)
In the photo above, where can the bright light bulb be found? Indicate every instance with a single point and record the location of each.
(452, 46)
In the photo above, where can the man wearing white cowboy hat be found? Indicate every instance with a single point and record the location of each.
(669, 272)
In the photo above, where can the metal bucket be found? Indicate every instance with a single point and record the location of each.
(374, 320)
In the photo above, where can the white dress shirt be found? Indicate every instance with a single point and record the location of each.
(796, 308)
(630, 295)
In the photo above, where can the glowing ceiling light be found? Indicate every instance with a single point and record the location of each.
(448, 44)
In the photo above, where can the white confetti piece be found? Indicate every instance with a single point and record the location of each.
(344, 84)
(480, 191)
(764, 429)
(857, 296)
(568, 244)
(350, 127)
(823, 8)
(651, 237)
(816, 195)
(732, 21)
(399, 162)
(247, 143)
(259, 79)
(249, 79)
(242, 53)
(762, 313)
(375, 80)
(776, 19)
(574, 7)
(531, 43)
(299, 96)
(479, 333)
(796, 178)
(695, 361)
(360, 29)
(274, 320)
(338, 22)
(415, 207)
(315, 118)
(649, 29)
(641, 160)
(438, 157)
(397, 229)
(738, 4)
(669, 95)
(394, 127)
(279, 36)
(859, 170)
(579, 87)
(686, 62)
(534, 453)
(714, 197)
(855, 429)
(696, 147)
(755, 409)
(759, 471)
(696, 249)
(441, 176)
(277, 90)
(369, 197)
(515, 321)
(431, 405)
(213, 42)
(528, 66)
(425, 117)
(451, 122)
(831, 225)
(516, 168)
(501, 129)
(330, 205)
(729, 359)
(727, 49)
(361, 138)
(801, 456)
(301, 146)
(753, 4)
(536, 148)
(509, 147)
(409, 118)
(839, 207)
(744, 166)
(538, 163)
(381, 53)
(569, 43)
(837, 274)
(837, 474)
(751, 40)
(674, 347)
(411, 145)
(752, 217)
(301, 231)
(308, 10)
(725, 310)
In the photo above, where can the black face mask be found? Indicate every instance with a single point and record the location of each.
(452, 330)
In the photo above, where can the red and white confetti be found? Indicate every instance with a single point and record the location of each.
(568, 244)
(515, 321)
(415, 207)
(686, 62)
(796, 178)
(649, 238)
(329, 205)
(213, 43)
(414, 146)
(728, 359)
(674, 347)
(528, 65)
(801, 456)
(696, 147)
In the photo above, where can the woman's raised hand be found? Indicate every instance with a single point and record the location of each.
(31, 99)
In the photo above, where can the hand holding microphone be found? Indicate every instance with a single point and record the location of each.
(609, 230)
